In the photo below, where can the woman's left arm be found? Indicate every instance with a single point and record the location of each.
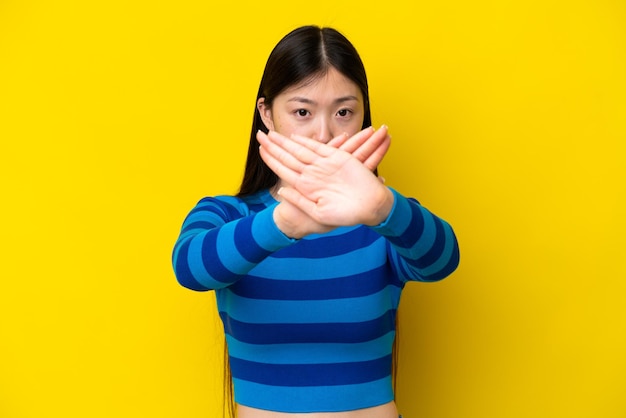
(424, 246)
(335, 186)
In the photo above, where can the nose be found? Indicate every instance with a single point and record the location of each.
(324, 132)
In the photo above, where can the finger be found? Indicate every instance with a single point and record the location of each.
(282, 171)
(372, 144)
(305, 150)
(356, 140)
(378, 154)
(338, 141)
(303, 154)
(277, 146)
(318, 148)
(275, 159)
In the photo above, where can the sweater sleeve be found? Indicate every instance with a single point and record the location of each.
(220, 241)
(422, 246)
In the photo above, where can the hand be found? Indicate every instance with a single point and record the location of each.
(368, 146)
(331, 184)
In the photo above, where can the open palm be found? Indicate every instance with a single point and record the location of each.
(333, 183)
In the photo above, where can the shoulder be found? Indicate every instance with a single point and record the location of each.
(234, 206)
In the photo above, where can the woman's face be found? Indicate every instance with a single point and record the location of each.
(321, 108)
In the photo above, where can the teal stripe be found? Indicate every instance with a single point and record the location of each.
(426, 241)
(399, 218)
(266, 233)
(356, 262)
(230, 258)
(334, 233)
(258, 311)
(234, 202)
(179, 243)
(189, 233)
(204, 216)
(444, 259)
(311, 353)
(307, 399)
(194, 259)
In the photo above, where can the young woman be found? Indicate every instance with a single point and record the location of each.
(309, 259)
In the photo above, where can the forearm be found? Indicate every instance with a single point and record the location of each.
(217, 255)
(425, 245)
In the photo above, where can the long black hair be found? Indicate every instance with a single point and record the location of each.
(305, 52)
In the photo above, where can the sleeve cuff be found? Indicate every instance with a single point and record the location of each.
(399, 217)
(266, 233)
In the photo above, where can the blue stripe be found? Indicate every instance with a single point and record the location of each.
(299, 375)
(399, 218)
(400, 272)
(202, 219)
(255, 208)
(267, 311)
(183, 273)
(231, 204)
(206, 216)
(245, 242)
(232, 260)
(227, 208)
(211, 261)
(356, 285)
(209, 207)
(309, 398)
(404, 270)
(311, 353)
(449, 259)
(417, 238)
(416, 227)
(452, 265)
(338, 242)
(354, 263)
(194, 259)
(436, 247)
(294, 333)
(427, 239)
(199, 225)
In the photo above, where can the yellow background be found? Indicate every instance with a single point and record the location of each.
(508, 119)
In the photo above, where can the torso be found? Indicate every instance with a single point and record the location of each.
(311, 326)
(387, 410)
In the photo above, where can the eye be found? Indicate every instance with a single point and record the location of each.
(302, 112)
(344, 113)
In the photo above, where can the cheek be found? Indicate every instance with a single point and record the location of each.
(282, 126)
(286, 126)
(353, 127)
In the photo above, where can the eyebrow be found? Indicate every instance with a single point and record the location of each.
(300, 99)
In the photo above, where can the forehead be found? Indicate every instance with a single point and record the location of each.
(330, 84)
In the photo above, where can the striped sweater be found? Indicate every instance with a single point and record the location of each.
(309, 323)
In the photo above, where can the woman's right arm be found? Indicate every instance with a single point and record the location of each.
(220, 241)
